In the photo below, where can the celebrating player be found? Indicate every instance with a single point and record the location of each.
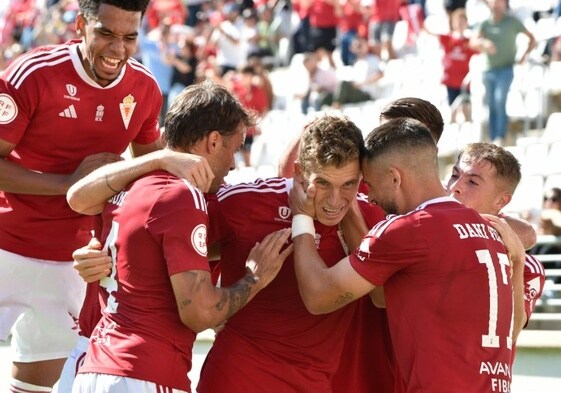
(429, 258)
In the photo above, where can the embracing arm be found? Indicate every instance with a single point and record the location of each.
(201, 305)
(88, 196)
(324, 289)
(525, 231)
(17, 179)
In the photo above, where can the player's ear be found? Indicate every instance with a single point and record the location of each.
(214, 141)
(396, 177)
(80, 24)
(503, 200)
(298, 173)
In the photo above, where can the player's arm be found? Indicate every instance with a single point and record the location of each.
(322, 289)
(287, 159)
(89, 194)
(354, 228)
(524, 230)
(201, 305)
(16, 179)
(517, 255)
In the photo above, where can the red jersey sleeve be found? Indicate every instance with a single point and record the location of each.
(534, 281)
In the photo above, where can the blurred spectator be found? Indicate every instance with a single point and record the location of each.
(249, 33)
(365, 74)
(452, 5)
(184, 64)
(324, 18)
(457, 55)
(261, 78)
(322, 83)
(57, 24)
(351, 21)
(383, 16)
(301, 38)
(549, 223)
(550, 218)
(193, 8)
(252, 97)
(227, 36)
(496, 39)
(267, 37)
(173, 10)
(156, 48)
(20, 17)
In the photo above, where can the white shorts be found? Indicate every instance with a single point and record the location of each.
(39, 303)
(103, 383)
(71, 366)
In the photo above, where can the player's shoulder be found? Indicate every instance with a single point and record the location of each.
(139, 70)
(533, 265)
(168, 189)
(258, 188)
(35, 61)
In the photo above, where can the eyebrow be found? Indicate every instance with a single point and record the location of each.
(100, 27)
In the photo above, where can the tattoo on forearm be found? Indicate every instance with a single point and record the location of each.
(345, 298)
(236, 296)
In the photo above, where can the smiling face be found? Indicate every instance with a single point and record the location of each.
(336, 189)
(108, 41)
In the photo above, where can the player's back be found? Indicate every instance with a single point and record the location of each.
(449, 298)
(147, 228)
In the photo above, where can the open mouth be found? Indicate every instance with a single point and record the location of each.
(110, 63)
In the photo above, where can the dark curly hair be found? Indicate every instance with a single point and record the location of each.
(90, 8)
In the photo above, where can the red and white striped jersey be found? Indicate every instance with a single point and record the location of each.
(55, 115)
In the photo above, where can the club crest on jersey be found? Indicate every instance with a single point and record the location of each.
(127, 108)
(71, 90)
(8, 109)
(198, 240)
(284, 212)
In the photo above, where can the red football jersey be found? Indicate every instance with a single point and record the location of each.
(56, 116)
(273, 342)
(446, 278)
(154, 229)
(457, 55)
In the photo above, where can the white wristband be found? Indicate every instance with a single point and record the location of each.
(301, 224)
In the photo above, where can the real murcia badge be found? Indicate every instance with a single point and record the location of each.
(127, 108)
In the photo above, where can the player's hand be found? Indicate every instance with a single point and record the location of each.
(90, 163)
(301, 198)
(266, 258)
(514, 247)
(195, 169)
(91, 262)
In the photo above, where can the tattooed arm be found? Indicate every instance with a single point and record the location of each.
(201, 305)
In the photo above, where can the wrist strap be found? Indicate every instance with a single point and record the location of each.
(301, 224)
